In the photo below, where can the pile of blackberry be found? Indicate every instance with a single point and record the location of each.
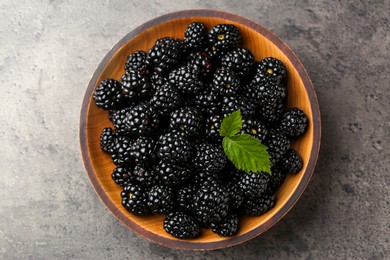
(166, 111)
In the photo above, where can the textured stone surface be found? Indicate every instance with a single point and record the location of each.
(49, 50)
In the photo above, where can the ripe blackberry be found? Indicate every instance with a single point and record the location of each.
(142, 120)
(143, 150)
(213, 125)
(236, 195)
(277, 144)
(181, 225)
(265, 92)
(259, 205)
(254, 184)
(292, 161)
(118, 118)
(120, 150)
(240, 61)
(161, 199)
(185, 81)
(108, 95)
(215, 55)
(186, 120)
(272, 69)
(233, 103)
(211, 203)
(121, 175)
(165, 54)
(158, 81)
(277, 179)
(134, 199)
(145, 175)
(135, 86)
(172, 174)
(137, 62)
(293, 122)
(200, 63)
(270, 114)
(106, 139)
(207, 101)
(165, 99)
(225, 82)
(174, 147)
(254, 128)
(209, 158)
(185, 197)
(227, 227)
(224, 36)
(200, 178)
(195, 36)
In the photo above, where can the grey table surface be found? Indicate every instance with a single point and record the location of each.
(48, 52)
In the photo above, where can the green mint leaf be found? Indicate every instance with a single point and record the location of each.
(231, 124)
(247, 153)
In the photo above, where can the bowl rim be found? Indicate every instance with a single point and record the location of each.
(193, 245)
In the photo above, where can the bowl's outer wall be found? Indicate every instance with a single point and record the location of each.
(263, 44)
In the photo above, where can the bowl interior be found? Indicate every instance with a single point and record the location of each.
(97, 119)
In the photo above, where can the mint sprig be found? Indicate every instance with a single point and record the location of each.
(244, 151)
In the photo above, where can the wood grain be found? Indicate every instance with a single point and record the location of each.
(262, 43)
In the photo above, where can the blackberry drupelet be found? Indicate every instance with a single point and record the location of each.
(254, 128)
(227, 227)
(259, 205)
(181, 225)
(211, 203)
(135, 86)
(121, 175)
(108, 95)
(172, 174)
(174, 147)
(134, 199)
(293, 122)
(143, 150)
(277, 144)
(137, 62)
(145, 175)
(225, 82)
(118, 118)
(186, 120)
(120, 150)
(200, 63)
(224, 36)
(213, 125)
(240, 61)
(165, 99)
(209, 158)
(195, 36)
(185, 196)
(165, 54)
(271, 69)
(106, 139)
(292, 162)
(254, 184)
(208, 102)
(161, 199)
(142, 120)
(185, 81)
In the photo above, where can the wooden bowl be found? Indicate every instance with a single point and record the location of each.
(262, 43)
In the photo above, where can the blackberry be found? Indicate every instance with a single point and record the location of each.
(137, 62)
(158, 81)
(254, 184)
(233, 103)
(185, 197)
(259, 205)
(225, 82)
(106, 139)
(200, 63)
(227, 227)
(271, 69)
(215, 55)
(240, 61)
(135, 86)
(160, 199)
(213, 125)
(165, 54)
(185, 81)
(254, 128)
(142, 120)
(181, 225)
(293, 122)
(200, 178)
(270, 114)
(211, 203)
(121, 175)
(146, 176)
(174, 147)
(195, 36)
(118, 118)
(186, 120)
(265, 93)
(165, 99)
(172, 174)
(134, 199)
(143, 150)
(209, 158)
(236, 195)
(277, 179)
(208, 101)
(108, 95)
(120, 150)
(292, 161)
(277, 144)
(224, 36)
